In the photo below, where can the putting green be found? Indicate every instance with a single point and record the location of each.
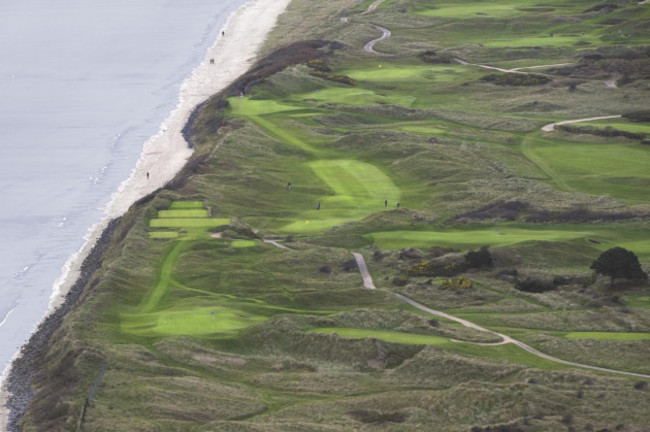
(389, 336)
(357, 189)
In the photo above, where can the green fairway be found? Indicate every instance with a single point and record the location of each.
(463, 10)
(634, 238)
(619, 170)
(180, 222)
(183, 213)
(629, 126)
(389, 336)
(187, 204)
(577, 335)
(244, 243)
(607, 336)
(494, 237)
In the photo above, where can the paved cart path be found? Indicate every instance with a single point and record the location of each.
(505, 339)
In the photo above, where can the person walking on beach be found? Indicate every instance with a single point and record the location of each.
(318, 206)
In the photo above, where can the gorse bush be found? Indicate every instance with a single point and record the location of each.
(458, 283)
(318, 65)
(342, 79)
(433, 268)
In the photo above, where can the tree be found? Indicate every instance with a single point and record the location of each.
(619, 263)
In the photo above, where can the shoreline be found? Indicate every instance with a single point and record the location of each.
(162, 157)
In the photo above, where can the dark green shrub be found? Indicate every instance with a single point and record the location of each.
(638, 116)
(435, 58)
(513, 79)
(479, 258)
(534, 285)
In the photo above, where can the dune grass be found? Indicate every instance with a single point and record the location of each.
(389, 336)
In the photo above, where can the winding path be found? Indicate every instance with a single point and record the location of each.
(372, 7)
(385, 33)
(540, 66)
(551, 126)
(505, 339)
(515, 71)
(369, 47)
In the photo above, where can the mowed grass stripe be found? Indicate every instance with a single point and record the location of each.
(188, 222)
(183, 213)
(187, 204)
(388, 336)
(470, 238)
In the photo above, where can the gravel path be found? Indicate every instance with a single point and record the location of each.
(372, 7)
(540, 66)
(369, 47)
(551, 126)
(385, 33)
(278, 245)
(367, 279)
(463, 62)
(505, 339)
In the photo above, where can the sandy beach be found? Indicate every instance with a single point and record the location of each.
(165, 153)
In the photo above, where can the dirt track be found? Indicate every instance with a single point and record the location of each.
(505, 339)
(551, 126)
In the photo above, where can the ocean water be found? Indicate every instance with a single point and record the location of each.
(83, 84)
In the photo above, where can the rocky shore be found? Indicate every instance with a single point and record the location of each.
(32, 354)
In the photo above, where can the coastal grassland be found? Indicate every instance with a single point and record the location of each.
(227, 332)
